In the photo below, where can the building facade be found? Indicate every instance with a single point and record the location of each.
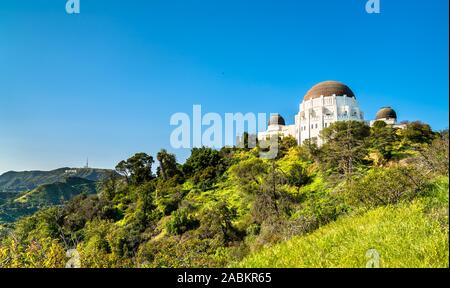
(277, 126)
(324, 104)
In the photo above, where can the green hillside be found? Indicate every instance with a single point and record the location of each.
(17, 182)
(403, 236)
(26, 203)
(366, 188)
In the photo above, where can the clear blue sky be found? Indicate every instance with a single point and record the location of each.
(104, 83)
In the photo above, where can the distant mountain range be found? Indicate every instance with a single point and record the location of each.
(23, 193)
(16, 182)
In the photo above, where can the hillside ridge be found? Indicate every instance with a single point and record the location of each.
(21, 181)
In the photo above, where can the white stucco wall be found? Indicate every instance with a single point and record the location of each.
(319, 113)
(282, 130)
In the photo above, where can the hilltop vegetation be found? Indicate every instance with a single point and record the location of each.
(366, 188)
(17, 182)
(23, 193)
(17, 205)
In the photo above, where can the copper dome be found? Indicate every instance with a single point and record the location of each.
(386, 113)
(328, 88)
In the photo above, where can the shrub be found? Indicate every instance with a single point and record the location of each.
(384, 186)
(216, 223)
(298, 176)
(418, 132)
(180, 222)
(434, 158)
(253, 229)
(249, 174)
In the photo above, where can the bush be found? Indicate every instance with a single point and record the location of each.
(434, 157)
(253, 229)
(249, 174)
(216, 223)
(180, 222)
(298, 176)
(171, 252)
(384, 187)
(418, 133)
(200, 159)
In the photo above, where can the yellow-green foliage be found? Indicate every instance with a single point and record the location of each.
(103, 247)
(404, 236)
(40, 253)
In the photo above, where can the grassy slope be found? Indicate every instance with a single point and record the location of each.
(403, 235)
(57, 193)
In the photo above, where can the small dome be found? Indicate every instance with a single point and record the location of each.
(328, 88)
(276, 119)
(386, 113)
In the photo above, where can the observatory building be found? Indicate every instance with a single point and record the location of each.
(325, 103)
(388, 116)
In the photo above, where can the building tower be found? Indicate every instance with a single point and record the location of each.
(387, 115)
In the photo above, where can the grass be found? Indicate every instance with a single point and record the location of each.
(403, 235)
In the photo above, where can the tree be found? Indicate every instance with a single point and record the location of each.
(257, 178)
(137, 169)
(168, 166)
(216, 223)
(310, 151)
(286, 143)
(418, 132)
(180, 222)
(384, 186)
(249, 174)
(345, 146)
(269, 193)
(297, 175)
(204, 164)
(109, 185)
(383, 138)
(434, 158)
